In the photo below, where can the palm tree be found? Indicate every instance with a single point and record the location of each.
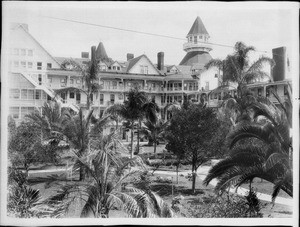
(260, 149)
(237, 69)
(154, 131)
(135, 108)
(104, 191)
(89, 74)
(49, 122)
(80, 133)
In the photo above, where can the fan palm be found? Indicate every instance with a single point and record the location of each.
(258, 149)
(103, 192)
(237, 69)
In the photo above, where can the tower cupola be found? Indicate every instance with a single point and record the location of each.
(197, 38)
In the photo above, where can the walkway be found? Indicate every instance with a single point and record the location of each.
(202, 172)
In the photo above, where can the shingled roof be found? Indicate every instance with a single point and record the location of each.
(198, 28)
(196, 57)
(101, 53)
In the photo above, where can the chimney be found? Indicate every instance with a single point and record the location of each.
(279, 70)
(85, 55)
(129, 56)
(93, 53)
(160, 61)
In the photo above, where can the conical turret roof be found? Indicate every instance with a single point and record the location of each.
(198, 27)
(101, 53)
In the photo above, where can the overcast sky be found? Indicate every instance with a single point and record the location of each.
(263, 25)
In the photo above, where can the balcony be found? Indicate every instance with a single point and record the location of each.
(200, 46)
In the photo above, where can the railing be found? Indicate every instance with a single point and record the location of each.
(199, 45)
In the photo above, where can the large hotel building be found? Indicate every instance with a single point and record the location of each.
(34, 75)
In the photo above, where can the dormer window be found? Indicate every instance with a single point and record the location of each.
(144, 69)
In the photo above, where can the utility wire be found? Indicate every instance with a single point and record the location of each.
(145, 33)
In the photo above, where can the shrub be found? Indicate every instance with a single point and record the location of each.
(230, 206)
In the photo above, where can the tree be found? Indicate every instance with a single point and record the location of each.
(189, 134)
(236, 67)
(134, 109)
(81, 132)
(260, 148)
(154, 131)
(89, 72)
(26, 148)
(103, 191)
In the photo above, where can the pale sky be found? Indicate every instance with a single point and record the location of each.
(263, 25)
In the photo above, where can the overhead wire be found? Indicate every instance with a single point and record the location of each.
(146, 33)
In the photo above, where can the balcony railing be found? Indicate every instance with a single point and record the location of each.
(198, 45)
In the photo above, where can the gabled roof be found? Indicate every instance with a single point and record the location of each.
(198, 28)
(133, 62)
(27, 32)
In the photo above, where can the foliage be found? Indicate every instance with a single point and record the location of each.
(253, 203)
(222, 207)
(25, 147)
(237, 68)
(259, 148)
(102, 191)
(22, 200)
(154, 131)
(135, 109)
(189, 134)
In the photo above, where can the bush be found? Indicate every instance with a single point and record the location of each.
(226, 206)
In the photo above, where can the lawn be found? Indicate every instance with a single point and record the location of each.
(190, 205)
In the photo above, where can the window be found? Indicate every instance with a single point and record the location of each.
(29, 65)
(37, 94)
(78, 96)
(195, 39)
(71, 81)
(30, 52)
(24, 94)
(63, 82)
(49, 65)
(16, 64)
(101, 99)
(14, 112)
(39, 65)
(78, 81)
(185, 86)
(112, 98)
(206, 85)
(144, 69)
(120, 96)
(44, 95)
(216, 75)
(72, 95)
(114, 67)
(31, 94)
(118, 68)
(23, 64)
(259, 90)
(191, 39)
(40, 79)
(200, 36)
(16, 51)
(14, 93)
(23, 52)
(285, 90)
(114, 84)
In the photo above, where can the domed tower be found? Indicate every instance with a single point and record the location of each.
(197, 46)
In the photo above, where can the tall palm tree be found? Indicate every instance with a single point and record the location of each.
(80, 133)
(237, 68)
(154, 131)
(265, 155)
(89, 73)
(104, 191)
